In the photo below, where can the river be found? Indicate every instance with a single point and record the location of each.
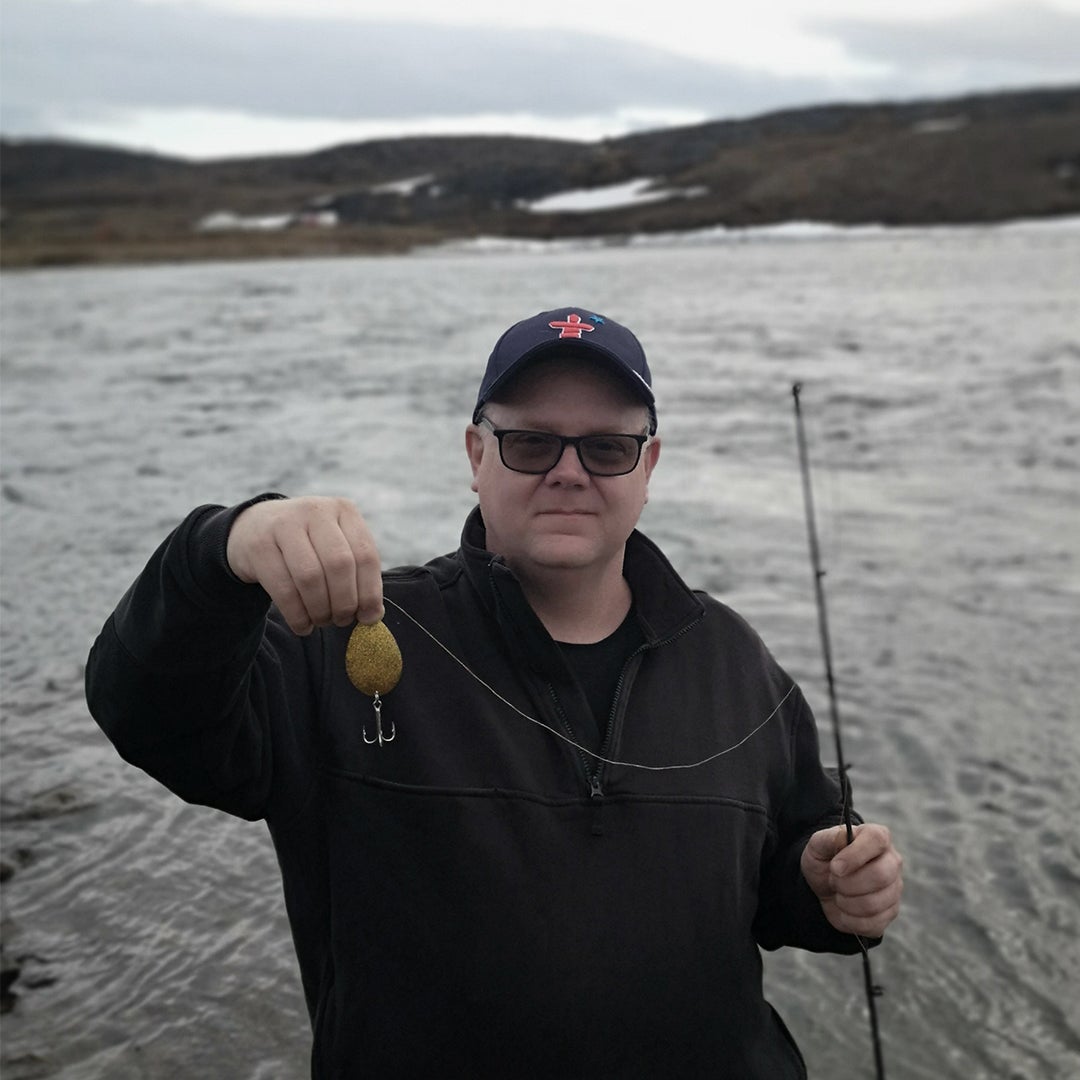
(941, 385)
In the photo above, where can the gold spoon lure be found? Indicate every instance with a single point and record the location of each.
(373, 663)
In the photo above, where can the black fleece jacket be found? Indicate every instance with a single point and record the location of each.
(480, 897)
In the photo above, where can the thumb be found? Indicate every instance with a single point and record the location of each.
(825, 843)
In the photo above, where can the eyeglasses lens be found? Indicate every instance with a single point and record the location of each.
(538, 451)
(609, 455)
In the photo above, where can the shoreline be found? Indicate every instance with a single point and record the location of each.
(377, 242)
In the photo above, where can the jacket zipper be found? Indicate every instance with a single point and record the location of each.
(595, 786)
(571, 734)
(593, 775)
(592, 778)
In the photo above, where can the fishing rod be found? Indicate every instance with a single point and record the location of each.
(872, 990)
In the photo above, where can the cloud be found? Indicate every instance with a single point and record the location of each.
(193, 79)
(87, 59)
(1007, 44)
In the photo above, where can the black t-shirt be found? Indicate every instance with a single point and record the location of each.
(597, 667)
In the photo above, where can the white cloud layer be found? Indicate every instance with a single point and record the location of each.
(235, 76)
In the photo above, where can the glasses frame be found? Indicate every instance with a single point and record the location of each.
(564, 441)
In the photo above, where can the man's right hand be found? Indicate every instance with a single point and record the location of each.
(314, 556)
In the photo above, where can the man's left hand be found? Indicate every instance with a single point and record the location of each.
(858, 884)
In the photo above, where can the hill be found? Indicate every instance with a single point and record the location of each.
(980, 158)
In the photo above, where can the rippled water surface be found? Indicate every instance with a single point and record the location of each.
(941, 373)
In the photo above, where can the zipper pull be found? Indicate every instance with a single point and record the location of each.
(596, 792)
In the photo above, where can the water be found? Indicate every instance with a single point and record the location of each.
(940, 373)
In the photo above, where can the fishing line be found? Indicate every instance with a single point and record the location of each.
(872, 990)
(565, 738)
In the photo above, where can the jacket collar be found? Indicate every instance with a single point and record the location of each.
(664, 604)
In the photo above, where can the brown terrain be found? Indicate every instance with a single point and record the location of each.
(982, 158)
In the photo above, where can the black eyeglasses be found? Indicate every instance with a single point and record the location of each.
(539, 451)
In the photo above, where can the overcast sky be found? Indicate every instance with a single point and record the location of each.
(211, 78)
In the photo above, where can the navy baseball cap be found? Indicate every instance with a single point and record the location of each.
(569, 331)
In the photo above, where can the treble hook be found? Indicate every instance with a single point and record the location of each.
(379, 738)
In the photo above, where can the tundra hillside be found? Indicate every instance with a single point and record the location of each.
(976, 159)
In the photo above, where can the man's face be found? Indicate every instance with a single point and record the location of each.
(564, 518)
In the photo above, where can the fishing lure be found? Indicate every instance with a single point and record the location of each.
(373, 663)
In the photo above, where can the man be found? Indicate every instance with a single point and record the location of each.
(601, 796)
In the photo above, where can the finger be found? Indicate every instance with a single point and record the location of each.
(825, 843)
(866, 928)
(367, 568)
(338, 565)
(276, 580)
(869, 905)
(870, 842)
(307, 574)
(873, 925)
(876, 875)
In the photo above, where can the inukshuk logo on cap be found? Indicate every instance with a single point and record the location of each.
(572, 326)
